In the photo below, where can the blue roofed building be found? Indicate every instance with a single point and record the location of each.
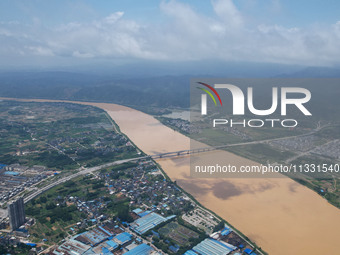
(106, 251)
(212, 247)
(107, 248)
(248, 251)
(71, 247)
(155, 233)
(148, 222)
(226, 231)
(174, 248)
(11, 173)
(113, 245)
(142, 214)
(190, 252)
(137, 211)
(94, 236)
(96, 241)
(122, 238)
(88, 252)
(31, 244)
(142, 249)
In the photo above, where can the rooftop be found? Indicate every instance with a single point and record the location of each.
(94, 236)
(147, 222)
(142, 249)
(112, 244)
(11, 173)
(123, 237)
(212, 247)
(71, 247)
(138, 210)
(190, 252)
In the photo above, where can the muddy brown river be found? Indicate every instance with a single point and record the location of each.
(280, 215)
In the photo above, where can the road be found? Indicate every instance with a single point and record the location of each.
(80, 172)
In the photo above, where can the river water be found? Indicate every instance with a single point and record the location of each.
(280, 215)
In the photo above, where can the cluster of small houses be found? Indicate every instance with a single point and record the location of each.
(158, 195)
(303, 143)
(183, 125)
(308, 143)
(148, 190)
(101, 146)
(15, 178)
(330, 150)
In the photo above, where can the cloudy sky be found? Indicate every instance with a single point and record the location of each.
(41, 32)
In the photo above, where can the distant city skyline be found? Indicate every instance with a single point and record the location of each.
(58, 33)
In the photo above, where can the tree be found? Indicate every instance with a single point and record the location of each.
(43, 200)
(123, 212)
(50, 206)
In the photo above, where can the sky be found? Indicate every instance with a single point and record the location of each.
(56, 33)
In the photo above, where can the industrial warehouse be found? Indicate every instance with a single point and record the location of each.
(104, 240)
(148, 222)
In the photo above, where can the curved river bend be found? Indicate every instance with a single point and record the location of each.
(280, 215)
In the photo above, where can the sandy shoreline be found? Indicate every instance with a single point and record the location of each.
(280, 215)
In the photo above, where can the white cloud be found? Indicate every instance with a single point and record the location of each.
(40, 51)
(227, 11)
(184, 34)
(114, 17)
